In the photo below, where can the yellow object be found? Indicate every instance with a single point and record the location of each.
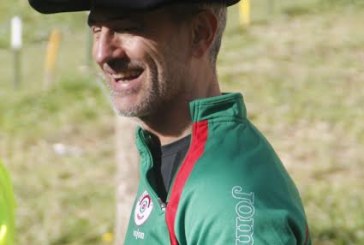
(107, 237)
(244, 12)
(7, 209)
(52, 50)
(51, 56)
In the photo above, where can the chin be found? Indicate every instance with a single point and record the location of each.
(125, 107)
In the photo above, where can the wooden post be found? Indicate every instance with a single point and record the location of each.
(17, 68)
(127, 174)
(16, 45)
(51, 57)
(244, 12)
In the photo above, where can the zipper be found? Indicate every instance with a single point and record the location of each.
(149, 159)
(162, 204)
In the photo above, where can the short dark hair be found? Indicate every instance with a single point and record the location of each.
(182, 12)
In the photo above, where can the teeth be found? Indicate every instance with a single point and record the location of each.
(126, 75)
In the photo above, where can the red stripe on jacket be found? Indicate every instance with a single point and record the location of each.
(199, 138)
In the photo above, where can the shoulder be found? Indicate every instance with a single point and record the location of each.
(238, 156)
(240, 190)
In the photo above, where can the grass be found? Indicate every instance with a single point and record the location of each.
(299, 66)
(302, 75)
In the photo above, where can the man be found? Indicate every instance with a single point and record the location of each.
(208, 176)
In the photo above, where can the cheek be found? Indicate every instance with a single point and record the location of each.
(151, 55)
(94, 49)
(94, 52)
(142, 49)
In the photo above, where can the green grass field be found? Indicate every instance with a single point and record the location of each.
(299, 65)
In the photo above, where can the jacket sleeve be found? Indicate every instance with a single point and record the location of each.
(240, 193)
(237, 215)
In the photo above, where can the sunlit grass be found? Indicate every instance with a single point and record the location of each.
(302, 76)
(299, 66)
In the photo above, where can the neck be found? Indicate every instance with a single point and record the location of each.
(173, 120)
(170, 124)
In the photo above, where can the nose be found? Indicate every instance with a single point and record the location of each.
(107, 46)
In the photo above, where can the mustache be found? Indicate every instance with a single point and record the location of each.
(120, 65)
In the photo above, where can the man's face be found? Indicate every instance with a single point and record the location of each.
(144, 58)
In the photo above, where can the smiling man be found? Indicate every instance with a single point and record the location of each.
(207, 175)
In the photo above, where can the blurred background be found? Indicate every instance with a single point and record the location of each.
(299, 65)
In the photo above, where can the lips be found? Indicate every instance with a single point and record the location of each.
(126, 76)
(126, 82)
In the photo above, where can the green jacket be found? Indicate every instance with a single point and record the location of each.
(230, 189)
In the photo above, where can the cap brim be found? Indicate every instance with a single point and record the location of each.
(58, 6)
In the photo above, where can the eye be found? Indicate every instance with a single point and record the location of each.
(127, 29)
(95, 29)
(127, 26)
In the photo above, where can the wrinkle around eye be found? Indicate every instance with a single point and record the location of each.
(128, 29)
(95, 30)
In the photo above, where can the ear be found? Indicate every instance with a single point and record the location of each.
(204, 31)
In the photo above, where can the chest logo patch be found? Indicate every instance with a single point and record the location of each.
(143, 208)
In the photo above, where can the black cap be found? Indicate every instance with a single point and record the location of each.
(58, 6)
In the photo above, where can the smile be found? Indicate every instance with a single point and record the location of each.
(127, 76)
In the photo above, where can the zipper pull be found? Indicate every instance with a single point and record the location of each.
(162, 204)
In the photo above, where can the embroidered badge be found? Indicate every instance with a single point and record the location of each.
(143, 208)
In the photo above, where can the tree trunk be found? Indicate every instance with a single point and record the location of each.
(127, 174)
